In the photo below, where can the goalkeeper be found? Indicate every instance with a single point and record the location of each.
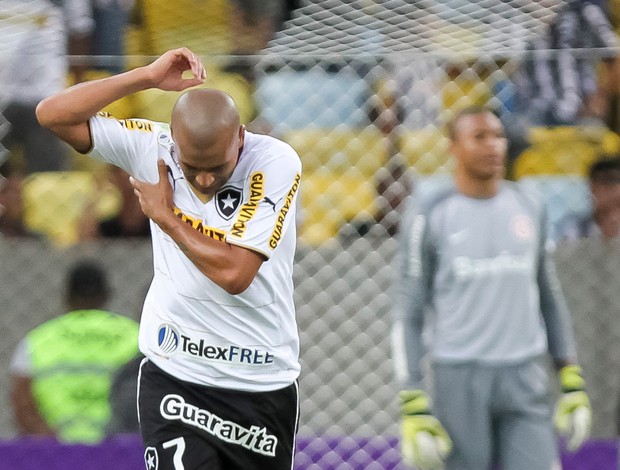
(473, 259)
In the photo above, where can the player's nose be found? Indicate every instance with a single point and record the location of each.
(205, 179)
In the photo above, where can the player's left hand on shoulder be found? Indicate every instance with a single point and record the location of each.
(573, 414)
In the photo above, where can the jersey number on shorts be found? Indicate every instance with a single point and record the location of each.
(179, 443)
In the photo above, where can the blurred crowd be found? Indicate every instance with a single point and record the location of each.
(575, 86)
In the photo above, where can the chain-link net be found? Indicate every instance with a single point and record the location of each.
(362, 91)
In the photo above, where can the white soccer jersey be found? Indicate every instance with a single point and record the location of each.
(191, 327)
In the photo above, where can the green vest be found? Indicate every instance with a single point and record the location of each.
(74, 358)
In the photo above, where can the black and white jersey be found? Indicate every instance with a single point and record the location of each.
(192, 328)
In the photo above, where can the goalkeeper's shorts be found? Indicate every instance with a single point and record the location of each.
(500, 411)
(207, 427)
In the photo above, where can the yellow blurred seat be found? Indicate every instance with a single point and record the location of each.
(156, 105)
(55, 201)
(342, 149)
(329, 199)
(466, 89)
(200, 25)
(426, 150)
(366, 150)
(564, 150)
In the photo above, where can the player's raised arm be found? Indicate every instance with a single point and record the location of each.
(67, 113)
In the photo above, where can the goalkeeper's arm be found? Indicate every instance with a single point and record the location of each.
(424, 442)
(573, 415)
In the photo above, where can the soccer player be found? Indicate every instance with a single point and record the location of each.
(473, 255)
(218, 388)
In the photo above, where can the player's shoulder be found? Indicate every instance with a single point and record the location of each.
(434, 191)
(269, 143)
(266, 149)
(49, 327)
(529, 196)
(137, 124)
(427, 199)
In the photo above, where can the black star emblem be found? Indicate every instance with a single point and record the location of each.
(227, 200)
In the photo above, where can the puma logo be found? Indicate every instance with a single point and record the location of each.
(273, 204)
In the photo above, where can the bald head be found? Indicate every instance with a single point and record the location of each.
(204, 116)
(209, 137)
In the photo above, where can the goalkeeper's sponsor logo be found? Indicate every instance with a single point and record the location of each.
(256, 439)
(136, 125)
(276, 235)
(247, 211)
(465, 268)
(197, 224)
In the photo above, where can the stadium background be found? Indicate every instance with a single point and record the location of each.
(330, 66)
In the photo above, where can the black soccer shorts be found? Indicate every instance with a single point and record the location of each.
(190, 427)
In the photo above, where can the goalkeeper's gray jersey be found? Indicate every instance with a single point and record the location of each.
(481, 270)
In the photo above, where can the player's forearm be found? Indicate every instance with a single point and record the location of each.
(32, 424)
(217, 260)
(407, 345)
(77, 104)
(28, 419)
(556, 317)
(414, 351)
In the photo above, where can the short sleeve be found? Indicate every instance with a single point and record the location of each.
(269, 207)
(131, 144)
(21, 363)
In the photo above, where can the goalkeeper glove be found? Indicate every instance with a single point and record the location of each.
(424, 442)
(573, 413)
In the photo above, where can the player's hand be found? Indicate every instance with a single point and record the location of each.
(424, 442)
(156, 199)
(573, 413)
(166, 73)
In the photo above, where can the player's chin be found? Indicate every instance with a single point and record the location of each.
(491, 172)
(495, 169)
(206, 191)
